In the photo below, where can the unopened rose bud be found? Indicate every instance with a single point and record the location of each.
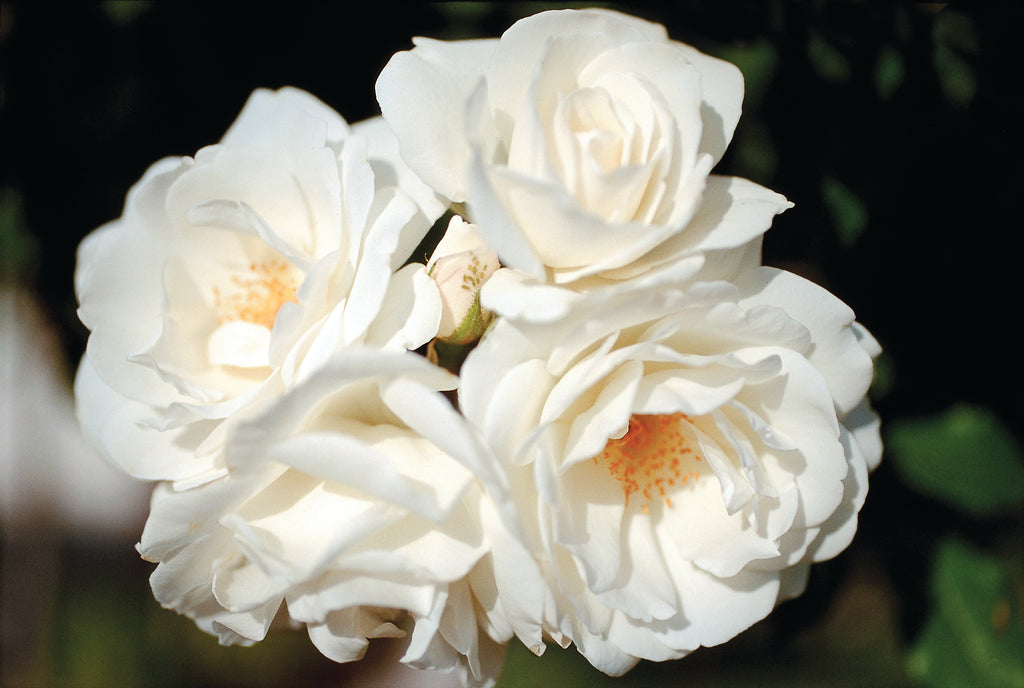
(461, 263)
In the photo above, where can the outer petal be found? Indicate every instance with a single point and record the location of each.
(722, 88)
(116, 424)
(389, 169)
(837, 353)
(720, 608)
(423, 95)
(343, 636)
(268, 115)
(125, 321)
(732, 213)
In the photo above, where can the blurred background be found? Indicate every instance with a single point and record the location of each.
(896, 128)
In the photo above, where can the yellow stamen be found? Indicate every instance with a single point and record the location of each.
(258, 296)
(653, 457)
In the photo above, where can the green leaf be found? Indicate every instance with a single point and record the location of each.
(955, 30)
(828, 62)
(889, 72)
(936, 660)
(976, 634)
(849, 215)
(956, 77)
(953, 35)
(964, 457)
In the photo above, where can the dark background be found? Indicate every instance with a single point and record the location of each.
(894, 127)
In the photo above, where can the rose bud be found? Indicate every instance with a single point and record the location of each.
(460, 265)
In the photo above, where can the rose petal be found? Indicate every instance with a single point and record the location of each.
(423, 95)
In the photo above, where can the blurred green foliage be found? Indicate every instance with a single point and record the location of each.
(890, 71)
(124, 12)
(828, 61)
(849, 216)
(105, 630)
(955, 41)
(964, 457)
(18, 249)
(975, 635)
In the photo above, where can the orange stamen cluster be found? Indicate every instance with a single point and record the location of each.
(652, 457)
(258, 296)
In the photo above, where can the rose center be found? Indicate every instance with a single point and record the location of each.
(256, 296)
(654, 456)
(595, 125)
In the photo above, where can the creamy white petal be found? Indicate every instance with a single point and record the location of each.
(125, 321)
(732, 212)
(116, 426)
(837, 353)
(423, 95)
(343, 636)
(390, 169)
(511, 293)
(410, 312)
(604, 655)
(376, 267)
(526, 42)
(268, 115)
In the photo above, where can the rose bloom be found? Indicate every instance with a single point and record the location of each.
(680, 457)
(234, 274)
(581, 143)
(358, 499)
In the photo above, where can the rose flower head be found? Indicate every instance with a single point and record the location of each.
(352, 506)
(581, 143)
(685, 453)
(234, 274)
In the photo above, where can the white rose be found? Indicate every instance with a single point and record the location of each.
(581, 143)
(460, 265)
(687, 454)
(355, 498)
(233, 275)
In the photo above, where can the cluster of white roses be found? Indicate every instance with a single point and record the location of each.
(651, 442)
